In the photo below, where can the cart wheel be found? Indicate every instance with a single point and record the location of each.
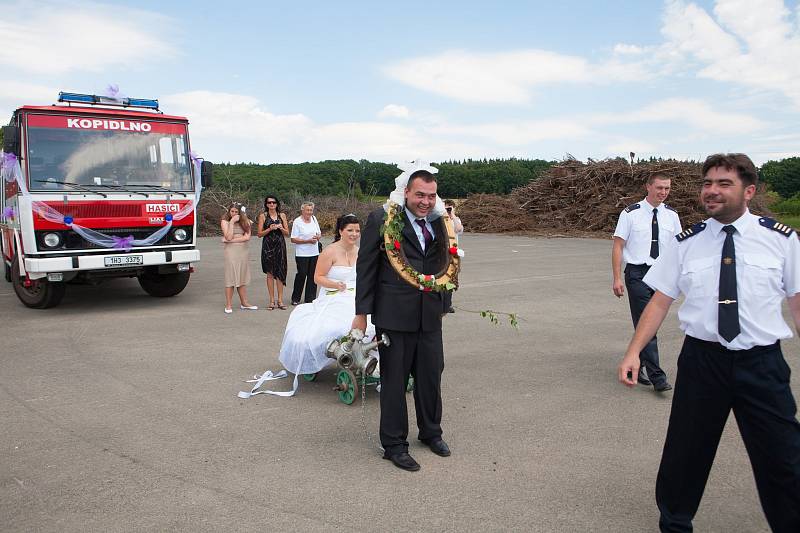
(410, 384)
(348, 379)
(309, 377)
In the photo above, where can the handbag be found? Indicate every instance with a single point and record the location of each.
(319, 243)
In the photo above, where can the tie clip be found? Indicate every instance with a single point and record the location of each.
(726, 302)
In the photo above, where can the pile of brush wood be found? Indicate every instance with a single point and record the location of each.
(576, 198)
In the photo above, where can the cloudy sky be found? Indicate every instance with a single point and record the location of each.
(299, 81)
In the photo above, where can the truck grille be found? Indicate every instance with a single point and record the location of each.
(73, 241)
(99, 210)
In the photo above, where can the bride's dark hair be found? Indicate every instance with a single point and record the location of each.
(342, 222)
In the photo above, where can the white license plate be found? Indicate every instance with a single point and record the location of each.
(124, 260)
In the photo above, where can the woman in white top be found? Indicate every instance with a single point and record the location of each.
(305, 236)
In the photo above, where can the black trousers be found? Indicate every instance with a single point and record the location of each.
(754, 383)
(305, 276)
(420, 355)
(639, 294)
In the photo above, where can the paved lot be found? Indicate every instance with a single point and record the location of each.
(119, 412)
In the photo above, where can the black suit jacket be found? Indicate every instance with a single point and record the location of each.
(381, 292)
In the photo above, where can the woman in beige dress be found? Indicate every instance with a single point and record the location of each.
(235, 236)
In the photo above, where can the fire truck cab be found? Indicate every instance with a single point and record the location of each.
(96, 188)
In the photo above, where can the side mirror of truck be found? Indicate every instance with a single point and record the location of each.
(207, 173)
(11, 140)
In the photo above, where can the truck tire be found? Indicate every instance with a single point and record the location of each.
(42, 294)
(163, 285)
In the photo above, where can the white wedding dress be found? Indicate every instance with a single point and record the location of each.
(314, 325)
(310, 329)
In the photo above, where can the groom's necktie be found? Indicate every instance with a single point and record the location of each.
(425, 233)
(728, 320)
(654, 238)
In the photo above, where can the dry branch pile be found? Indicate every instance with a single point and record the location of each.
(576, 198)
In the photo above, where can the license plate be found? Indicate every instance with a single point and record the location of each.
(124, 260)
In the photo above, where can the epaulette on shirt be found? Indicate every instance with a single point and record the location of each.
(774, 225)
(691, 231)
(670, 207)
(632, 207)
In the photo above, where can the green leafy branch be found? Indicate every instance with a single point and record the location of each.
(494, 316)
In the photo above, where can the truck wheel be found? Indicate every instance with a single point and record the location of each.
(41, 293)
(163, 285)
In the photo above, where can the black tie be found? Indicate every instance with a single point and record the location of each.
(425, 233)
(654, 239)
(728, 321)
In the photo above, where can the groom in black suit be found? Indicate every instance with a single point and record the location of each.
(410, 317)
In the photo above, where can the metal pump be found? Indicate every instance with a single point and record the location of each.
(354, 355)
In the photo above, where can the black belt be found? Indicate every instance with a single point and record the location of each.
(715, 346)
(643, 266)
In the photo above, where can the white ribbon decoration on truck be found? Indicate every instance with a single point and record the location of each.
(10, 171)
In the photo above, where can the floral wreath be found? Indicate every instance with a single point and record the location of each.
(392, 231)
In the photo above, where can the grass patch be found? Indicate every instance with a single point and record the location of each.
(789, 220)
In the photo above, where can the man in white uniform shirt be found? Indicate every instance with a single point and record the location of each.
(734, 269)
(643, 230)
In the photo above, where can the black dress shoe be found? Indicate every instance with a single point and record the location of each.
(643, 378)
(662, 387)
(439, 447)
(403, 460)
(451, 310)
(295, 303)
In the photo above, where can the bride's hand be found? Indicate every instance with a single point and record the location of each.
(342, 286)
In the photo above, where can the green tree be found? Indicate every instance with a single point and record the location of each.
(782, 176)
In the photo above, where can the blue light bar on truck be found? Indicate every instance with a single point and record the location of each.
(76, 98)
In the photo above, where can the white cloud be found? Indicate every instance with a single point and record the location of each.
(488, 78)
(236, 116)
(508, 77)
(394, 111)
(14, 94)
(756, 47)
(697, 114)
(517, 133)
(10, 91)
(52, 37)
(628, 49)
(233, 127)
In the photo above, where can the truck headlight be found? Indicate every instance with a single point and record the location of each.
(180, 235)
(51, 240)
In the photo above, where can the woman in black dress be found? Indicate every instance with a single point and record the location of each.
(273, 227)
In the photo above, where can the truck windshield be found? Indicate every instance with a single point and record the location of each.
(67, 151)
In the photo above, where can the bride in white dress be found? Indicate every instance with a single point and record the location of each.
(313, 325)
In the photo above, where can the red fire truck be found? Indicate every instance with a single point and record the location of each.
(95, 188)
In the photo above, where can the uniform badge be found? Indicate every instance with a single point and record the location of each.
(690, 232)
(774, 225)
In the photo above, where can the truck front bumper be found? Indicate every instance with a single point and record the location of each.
(40, 266)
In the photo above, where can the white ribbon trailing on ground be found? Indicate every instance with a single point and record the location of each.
(10, 171)
(268, 376)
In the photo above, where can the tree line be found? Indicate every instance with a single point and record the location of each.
(367, 178)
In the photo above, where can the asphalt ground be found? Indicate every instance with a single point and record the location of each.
(118, 412)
